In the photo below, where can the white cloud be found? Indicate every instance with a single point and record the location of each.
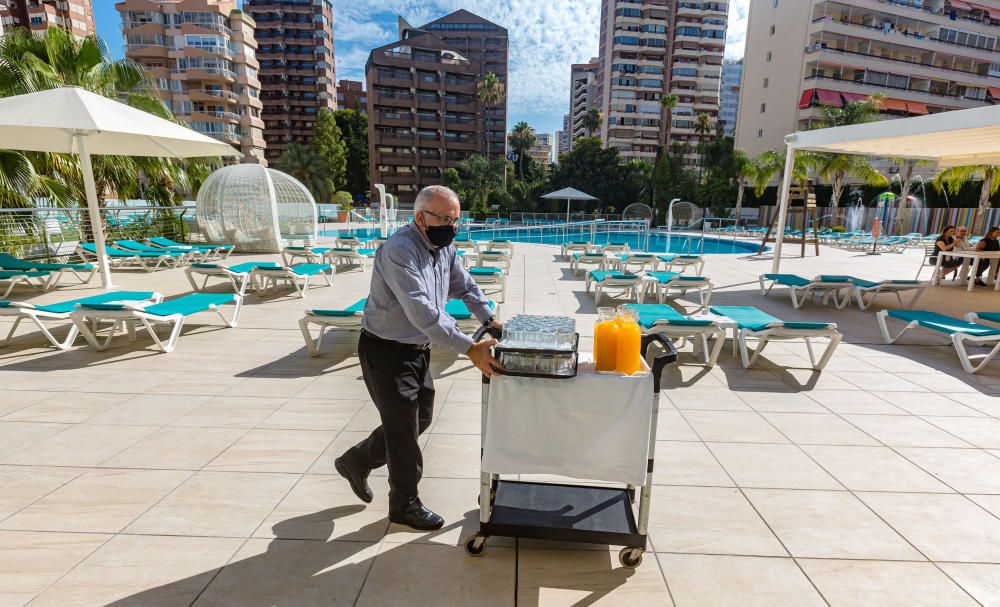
(736, 34)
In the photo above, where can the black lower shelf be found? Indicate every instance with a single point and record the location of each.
(569, 513)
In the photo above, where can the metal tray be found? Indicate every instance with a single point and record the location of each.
(567, 373)
(500, 348)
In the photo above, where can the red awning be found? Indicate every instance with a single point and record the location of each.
(894, 105)
(961, 4)
(829, 98)
(848, 97)
(806, 99)
(980, 7)
(994, 92)
(915, 107)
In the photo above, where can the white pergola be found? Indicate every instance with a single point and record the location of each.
(948, 139)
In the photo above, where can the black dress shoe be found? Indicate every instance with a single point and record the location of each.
(417, 517)
(356, 478)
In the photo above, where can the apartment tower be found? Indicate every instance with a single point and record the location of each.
(201, 55)
(76, 16)
(923, 57)
(424, 111)
(729, 98)
(650, 48)
(583, 98)
(565, 135)
(295, 51)
(351, 95)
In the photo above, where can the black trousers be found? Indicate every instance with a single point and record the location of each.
(400, 383)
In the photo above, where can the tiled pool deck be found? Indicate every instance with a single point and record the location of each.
(206, 476)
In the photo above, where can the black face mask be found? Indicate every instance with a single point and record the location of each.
(441, 236)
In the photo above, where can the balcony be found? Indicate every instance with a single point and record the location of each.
(400, 119)
(428, 102)
(877, 62)
(395, 99)
(210, 73)
(213, 95)
(924, 13)
(919, 42)
(864, 88)
(394, 139)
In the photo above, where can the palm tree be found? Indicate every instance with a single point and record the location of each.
(593, 120)
(668, 102)
(522, 139)
(303, 163)
(480, 177)
(836, 168)
(703, 124)
(954, 178)
(770, 164)
(746, 169)
(490, 91)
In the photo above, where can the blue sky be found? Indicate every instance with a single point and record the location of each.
(546, 37)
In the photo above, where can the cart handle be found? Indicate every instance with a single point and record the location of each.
(659, 362)
(484, 330)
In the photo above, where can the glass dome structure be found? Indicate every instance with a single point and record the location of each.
(257, 209)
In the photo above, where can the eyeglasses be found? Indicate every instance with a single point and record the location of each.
(444, 219)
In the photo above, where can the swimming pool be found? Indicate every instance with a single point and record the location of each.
(658, 242)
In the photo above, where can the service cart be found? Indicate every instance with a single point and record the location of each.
(599, 427)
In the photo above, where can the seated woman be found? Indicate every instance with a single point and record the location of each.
(990, 242)
(944, 243)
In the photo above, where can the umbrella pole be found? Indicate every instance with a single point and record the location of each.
(94, 211)
(567, 210)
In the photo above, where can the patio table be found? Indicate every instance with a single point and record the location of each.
(970, 259)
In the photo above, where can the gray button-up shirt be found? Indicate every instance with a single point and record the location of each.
(411, 283)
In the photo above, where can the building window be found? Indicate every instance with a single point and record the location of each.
(775, 3)
(772, 30)
(769, 56)
(763, 108)
(766, 82)
(760, 132)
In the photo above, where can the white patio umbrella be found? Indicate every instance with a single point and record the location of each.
(71, 120)
(949, 139)
(569, 194)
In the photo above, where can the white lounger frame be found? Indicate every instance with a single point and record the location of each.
(662, 289)
(44, 281)
(498, 281)
(588, 259)
(801, 294)
(239, 280)
(264, 279)
(346, 258)
(858, 293)
(133, 315)
(569, 248)
(288, 255)
(631, 288)
(135, 261)
(776, 332)
(490, 257)
(958, 340)
(702, 333)
(682, 264)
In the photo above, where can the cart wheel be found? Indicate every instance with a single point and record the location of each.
(475, 545)
(629, 557)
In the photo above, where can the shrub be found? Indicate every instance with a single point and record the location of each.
(343, 200)
(838, 229)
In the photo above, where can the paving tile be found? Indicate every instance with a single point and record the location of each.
(231, 412)
(15, 436)
(979, 580)
(483, 582)
(710, 399)
(772, 466)
(98, 501)
(292, 572)
(732, 427)
(874, 469)
(31, 561)
(159, 450)
(458, 418)
(262, 450)
(818, 429)
(698, 580)
(855, 401)
(671, 425)
(274, 386)
(942, 527)
(149, 410)
(313, 414)
(81, 445)
(15, 400)
(790, 402)
(980, 431)
(905, 431)
(324, 508)
(587, 577)
(920, 403)
(828, 524)
(145, 571)
(965, 470)
(889, 584)
(708, 520)
(68, 408)
(337, 387)
(885, 382)
(451, 456)
(218, 504)
(23, 485)
(688, 463)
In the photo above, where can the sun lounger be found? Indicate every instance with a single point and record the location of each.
(56, 270)
(802, 290)
(238, 275)
(752, 323)
(171, 313)
(620, 283)
(493, 257)
(633, 262)
(501, 244)
(221, 251)
(490, 280)
(575, 246)
(661, 284)
(349, 241)
(580, 260)
(682, 262)
(298, 276)
(865, 291)
(36, 279)
(660, 318)
(465, 243)
(120, 258)
(615, 247)
(348, 256)
(976, 317)
(312, 255)
(60, 312)
(187, 254)
(960, 332)
(349, 319)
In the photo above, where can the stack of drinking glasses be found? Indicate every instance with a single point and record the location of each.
(539, 346)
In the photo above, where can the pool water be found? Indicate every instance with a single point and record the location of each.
(658, 243)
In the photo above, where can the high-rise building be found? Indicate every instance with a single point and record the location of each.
(76, 16)
(295, 51)
(650, 48)
(583, 97)
(565, 135)
(424, 111)
(729, 99)
(351, 95)
(923, 57)
(541, 152)
(201, 56)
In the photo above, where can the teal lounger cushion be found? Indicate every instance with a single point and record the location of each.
(457, 309)
(243, 268)
(749, 317)
(343, 249)
(690, 256)
(588, 255)
(9, 262)
(942, 323)
(626, 256)
(602, 275)
(4, 274)
(366, 252)
(191, 303)
(485, 271)
(650, 314)
(353, 310)
(788, 280)
(166, 242)
(836, 278)
(990, 316)
(308, 269)
(64, 307)
(666, 258)
(577, 242)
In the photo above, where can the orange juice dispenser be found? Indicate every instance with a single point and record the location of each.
(606, 340)
(629, 350)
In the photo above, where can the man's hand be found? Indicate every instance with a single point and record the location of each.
(480, 355)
